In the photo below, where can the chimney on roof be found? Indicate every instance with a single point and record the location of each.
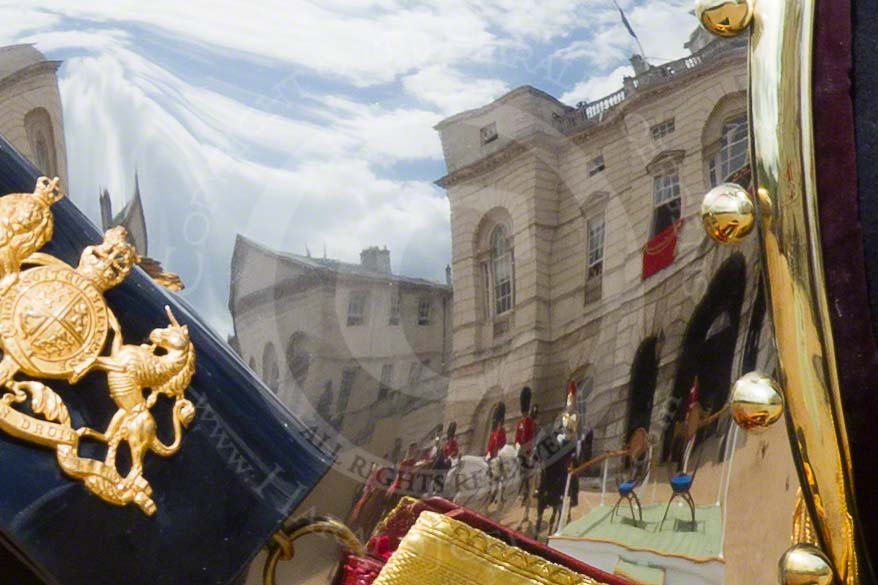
(374, 258)
(639, 64)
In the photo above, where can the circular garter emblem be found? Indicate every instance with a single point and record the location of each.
(54, 321)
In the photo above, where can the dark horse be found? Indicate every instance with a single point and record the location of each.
(554, 456)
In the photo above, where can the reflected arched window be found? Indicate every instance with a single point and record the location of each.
(41, 136)
(270, 369)
(501, 264)
(324, 403)
(298, 359)
(732, 154)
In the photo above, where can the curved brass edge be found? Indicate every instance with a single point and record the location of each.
(281, 545)
(783, 155)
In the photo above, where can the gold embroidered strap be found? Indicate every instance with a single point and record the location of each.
(439, 550)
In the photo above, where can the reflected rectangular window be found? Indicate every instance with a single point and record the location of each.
(503, 283)
(488, 133)
(357, 308)
(662, 129)
(393, 319)
(595, 246)
(414, 374)
(425, 307)
(386, 381)
(596, 165)
(348, 377)
(667, 208)
(486, 279)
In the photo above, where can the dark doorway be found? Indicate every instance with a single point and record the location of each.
(757, 318)
(708, 349)
(644, 373)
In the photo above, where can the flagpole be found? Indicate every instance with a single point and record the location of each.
(630, 29)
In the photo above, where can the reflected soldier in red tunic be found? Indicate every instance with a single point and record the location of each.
(497, 440)
(450, 450)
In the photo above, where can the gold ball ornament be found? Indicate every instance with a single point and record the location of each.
(756, 401)
(724, 18)
(805, 564)
(728, 213)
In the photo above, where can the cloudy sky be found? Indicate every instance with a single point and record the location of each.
(303, 123)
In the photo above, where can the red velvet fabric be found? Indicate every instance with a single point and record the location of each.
(362, 570)
(841, 232)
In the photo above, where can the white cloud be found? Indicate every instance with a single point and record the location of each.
(322, 169)
(18, 21)
(663, 26)
(452, 91)
(200, 157)
(597, 87)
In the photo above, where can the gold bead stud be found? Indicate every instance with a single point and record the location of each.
(756, 401)
(804, 564)
(724, 18)
(728, 214)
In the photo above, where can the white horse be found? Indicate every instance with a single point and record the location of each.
(470, 483)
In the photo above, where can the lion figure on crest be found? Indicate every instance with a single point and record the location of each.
(131, 369)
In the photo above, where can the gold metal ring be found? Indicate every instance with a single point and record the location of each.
(281, 545)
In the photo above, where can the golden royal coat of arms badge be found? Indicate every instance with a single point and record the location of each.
(54, 324)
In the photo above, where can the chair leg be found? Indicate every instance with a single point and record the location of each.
(691, 503)
(631, 505)
(639, 507)
(616, 507)
(668, 507)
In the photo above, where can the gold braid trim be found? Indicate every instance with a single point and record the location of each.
(439, 550)
(402, 512)
(803, 528)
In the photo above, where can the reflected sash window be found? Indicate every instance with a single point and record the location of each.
(414, 374)
(596, 165)
(357, 308)
(667, 201)
(393, 319)
(425, 307)
(385, 382)
(595, 246)
(662, 129)
(348, 377)
(501, 259)
(270, 368)
(732, 154)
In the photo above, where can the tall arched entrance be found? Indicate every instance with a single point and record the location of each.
(641, 394)
(708, 349)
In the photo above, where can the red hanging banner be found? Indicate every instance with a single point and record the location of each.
(659, 252)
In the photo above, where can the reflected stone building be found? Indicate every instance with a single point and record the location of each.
(30, 108)
(353, 346)
(579, 253)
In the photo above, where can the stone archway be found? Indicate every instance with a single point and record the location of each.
(483, 415)
(641, 394)
(708, 349)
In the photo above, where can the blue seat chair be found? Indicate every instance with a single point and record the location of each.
(681, 480)
(637, 458)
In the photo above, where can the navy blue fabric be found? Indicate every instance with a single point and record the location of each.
(245, 463)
